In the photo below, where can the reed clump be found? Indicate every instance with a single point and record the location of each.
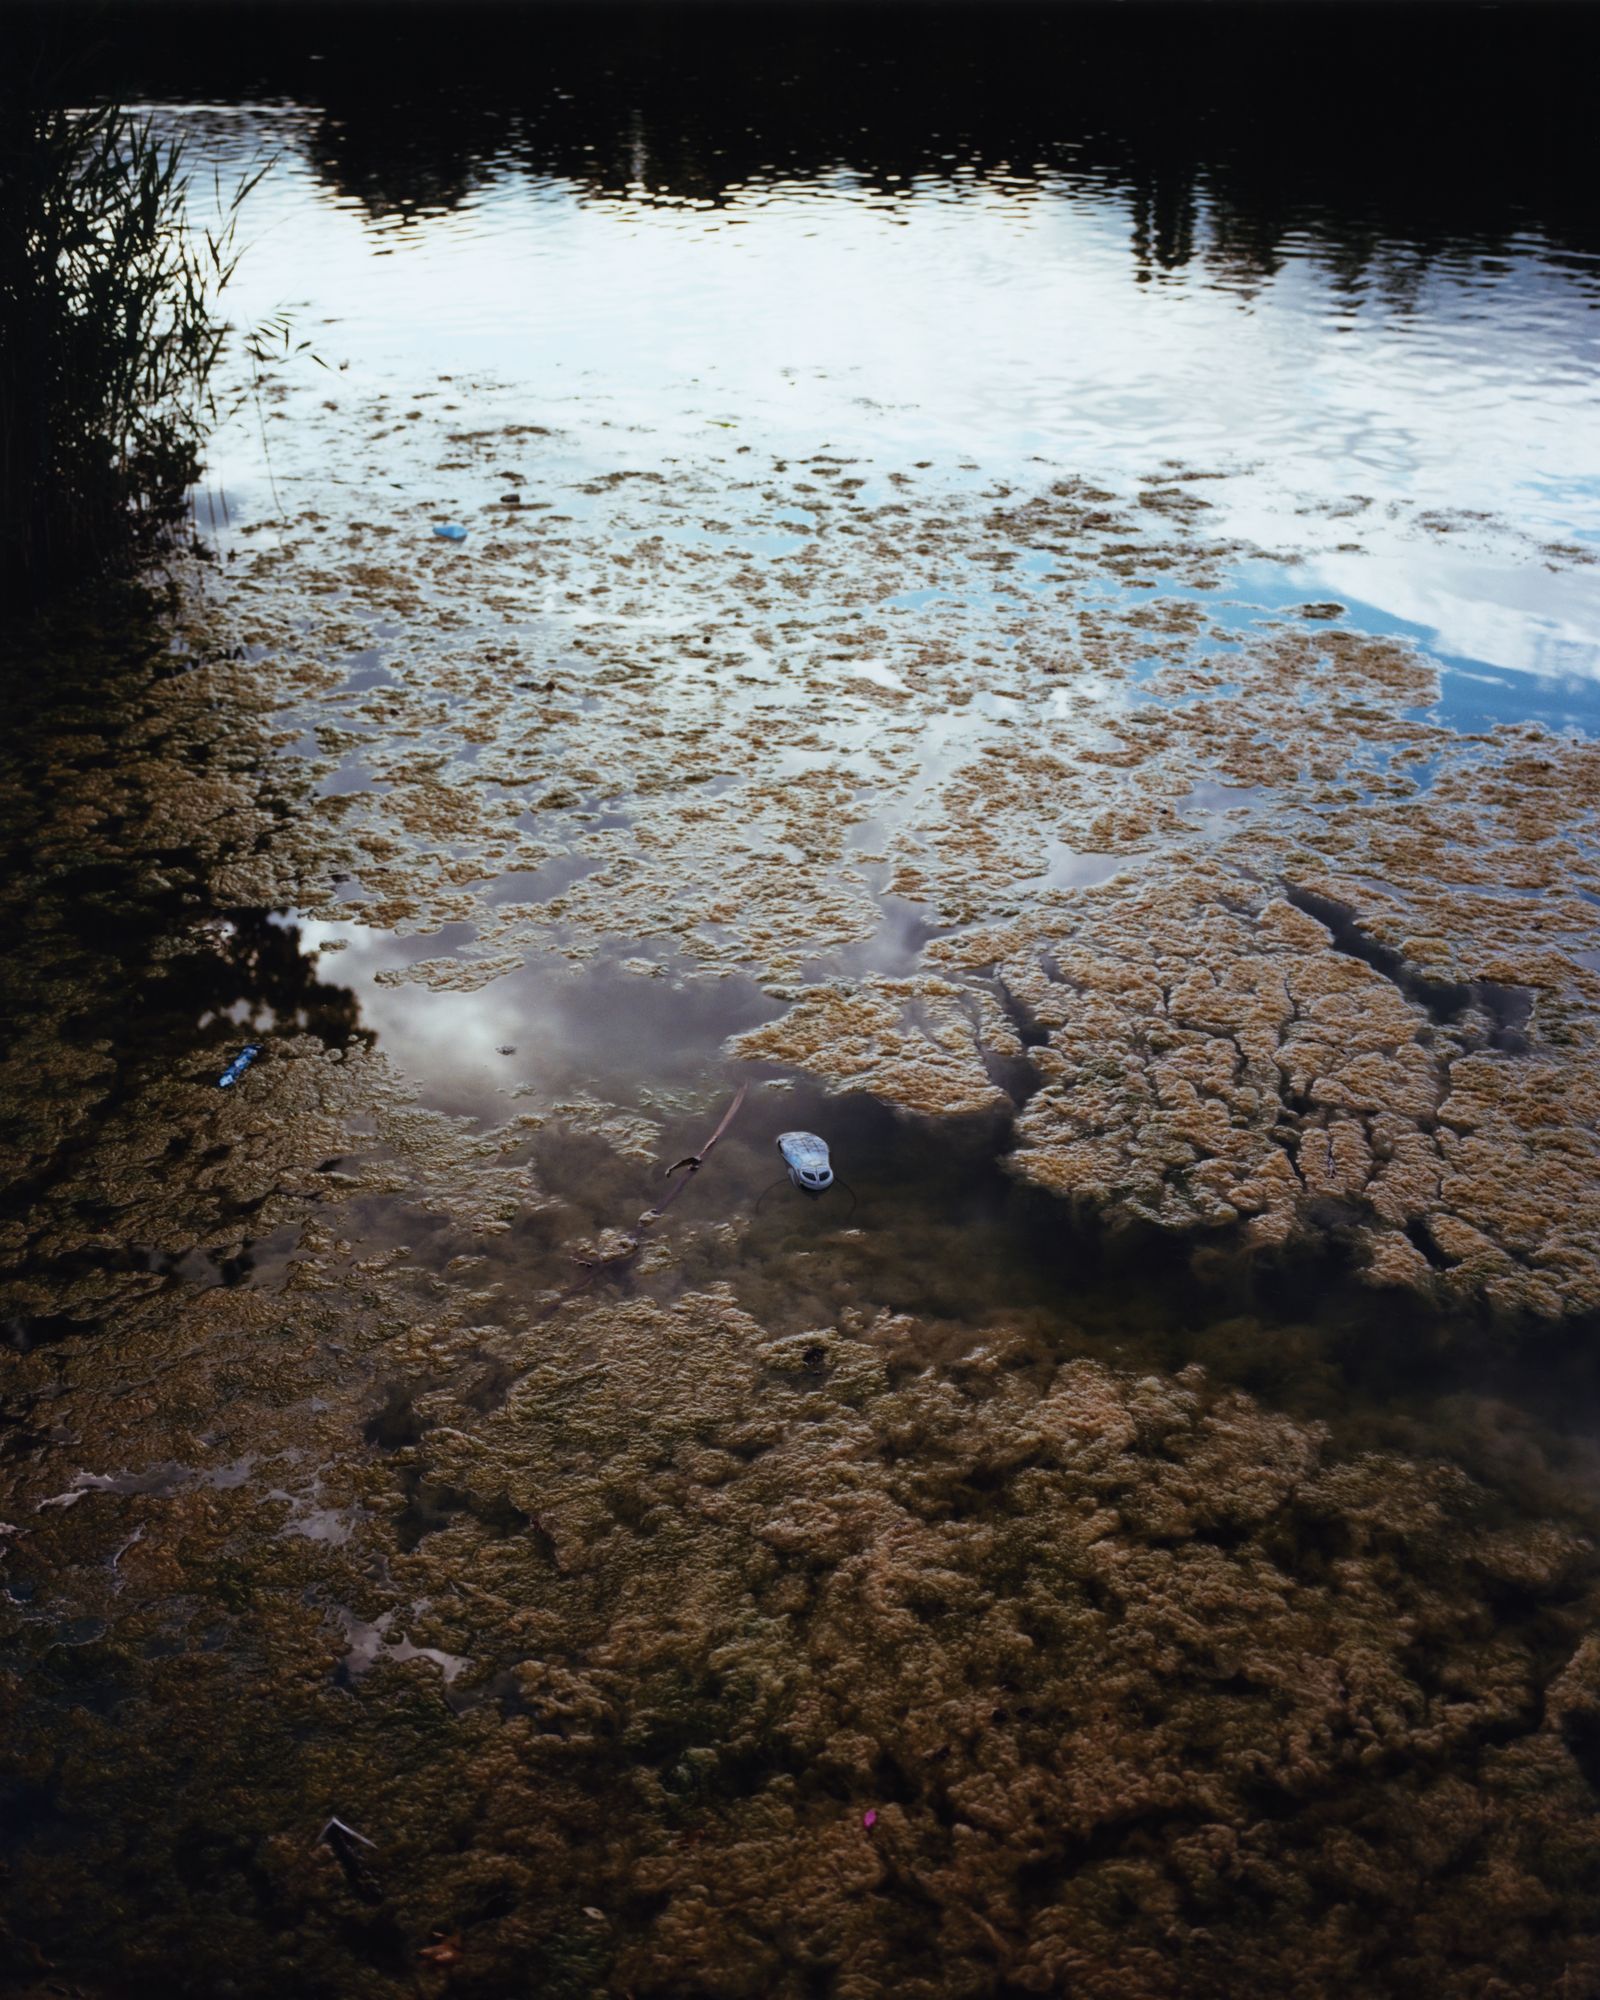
(109, 335)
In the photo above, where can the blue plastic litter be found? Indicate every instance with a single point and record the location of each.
(450, 531)
(806, 1157)
(241, 1062)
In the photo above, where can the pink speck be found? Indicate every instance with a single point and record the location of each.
(869, 1820)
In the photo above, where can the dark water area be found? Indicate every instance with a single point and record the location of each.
(941, 483)
(1393, 136)
(1346, 255)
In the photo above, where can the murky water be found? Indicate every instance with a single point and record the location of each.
(965, 527)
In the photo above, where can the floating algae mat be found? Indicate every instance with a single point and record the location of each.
(1137, 1534)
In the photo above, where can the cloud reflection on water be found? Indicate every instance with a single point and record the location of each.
(536, 1032)
(1004, 319)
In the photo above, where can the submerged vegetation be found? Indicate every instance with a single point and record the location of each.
(109, 336)
(1143, 1541)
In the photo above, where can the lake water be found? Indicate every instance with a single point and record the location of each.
(932, 1588)
(998, 287)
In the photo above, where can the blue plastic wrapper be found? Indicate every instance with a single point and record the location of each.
(241, 1062)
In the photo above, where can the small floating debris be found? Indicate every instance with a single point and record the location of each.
(450, 531)
(624, 1246)
(346, 1843)
(810, 1168)
(806, 1157)
(241, 1062)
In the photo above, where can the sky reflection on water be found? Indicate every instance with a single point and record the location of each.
(999, 320)
(999, 317)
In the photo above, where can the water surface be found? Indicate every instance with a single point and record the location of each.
(924, 1589)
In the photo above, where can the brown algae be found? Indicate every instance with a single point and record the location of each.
(1170, 1656)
